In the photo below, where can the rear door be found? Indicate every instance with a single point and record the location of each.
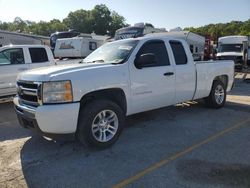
(153, 86)
(185, 71)
(38, 57)
(12, 62)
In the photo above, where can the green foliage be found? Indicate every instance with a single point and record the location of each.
(100, 20)
(226, 29)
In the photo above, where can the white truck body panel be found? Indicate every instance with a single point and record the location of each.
(144, 89)
(76, 47)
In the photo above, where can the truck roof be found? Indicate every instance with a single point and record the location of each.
(152, 37)
(233, 39)
(25, 45)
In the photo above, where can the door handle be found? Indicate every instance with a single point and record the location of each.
(23, 69)
(168, 74)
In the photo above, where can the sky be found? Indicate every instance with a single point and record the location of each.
(161, 13)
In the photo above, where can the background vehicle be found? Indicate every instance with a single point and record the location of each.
(120, 78)
(76, 47)
(233, 48)
(7, 38)
(209, 51)
(138, 30)
(18, 58)
(196, 42)
(62, 34)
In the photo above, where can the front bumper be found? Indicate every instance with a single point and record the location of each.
(49, 120)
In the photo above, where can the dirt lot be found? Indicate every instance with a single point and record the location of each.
(180, 146)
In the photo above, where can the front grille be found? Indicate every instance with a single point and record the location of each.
(29, 93)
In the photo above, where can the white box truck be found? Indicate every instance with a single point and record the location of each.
(233, 48)
(76, 47)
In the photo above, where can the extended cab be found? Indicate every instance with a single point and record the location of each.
(18, 58)
(91, 99)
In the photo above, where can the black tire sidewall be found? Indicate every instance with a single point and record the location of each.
(86, 117)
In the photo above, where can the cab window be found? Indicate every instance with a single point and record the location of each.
(179, 52)
(158, 49)
(38, 55)
(12, 56)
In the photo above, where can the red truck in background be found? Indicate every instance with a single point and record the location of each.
(209, 52)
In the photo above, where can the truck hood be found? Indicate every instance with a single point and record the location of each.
(229, 54)
(47, 73)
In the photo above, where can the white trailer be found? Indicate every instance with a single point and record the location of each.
(7, 38)
(196, 42)
(76, 47)
(234, 48)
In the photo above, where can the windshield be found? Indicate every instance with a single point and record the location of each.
(129, 32)
(114, 52)
(230, 48)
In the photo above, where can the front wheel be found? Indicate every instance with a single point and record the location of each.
(217, 96)
(100, 123)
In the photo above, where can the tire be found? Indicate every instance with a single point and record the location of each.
(100, 123)
(217, 96)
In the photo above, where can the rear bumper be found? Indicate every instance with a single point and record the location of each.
(49, 120)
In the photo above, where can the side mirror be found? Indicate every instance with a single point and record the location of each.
(145, 60)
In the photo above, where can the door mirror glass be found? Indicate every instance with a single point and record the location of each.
(145, 60)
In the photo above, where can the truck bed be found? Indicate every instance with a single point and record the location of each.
(206, 71)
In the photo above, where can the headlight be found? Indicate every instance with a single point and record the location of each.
(57, 92)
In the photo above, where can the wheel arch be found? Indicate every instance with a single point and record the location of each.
(223, 79)
(116, 95)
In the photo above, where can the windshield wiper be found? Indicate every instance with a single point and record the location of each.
(81, 61)
(95, 61)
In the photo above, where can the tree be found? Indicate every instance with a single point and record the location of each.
(116, 23)
(81, 20)
(101, 19)
(223, 29)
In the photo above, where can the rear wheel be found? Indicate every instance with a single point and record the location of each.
(217, 97)
(100, 123)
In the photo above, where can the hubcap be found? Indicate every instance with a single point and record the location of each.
(105, 125)
(219, 94)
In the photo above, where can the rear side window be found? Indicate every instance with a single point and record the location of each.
(157, 48)
(38, 55)
(179, 52)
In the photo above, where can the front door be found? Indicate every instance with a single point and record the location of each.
(152, 85)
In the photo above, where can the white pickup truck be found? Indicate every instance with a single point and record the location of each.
(91, 99)
(18, 58)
